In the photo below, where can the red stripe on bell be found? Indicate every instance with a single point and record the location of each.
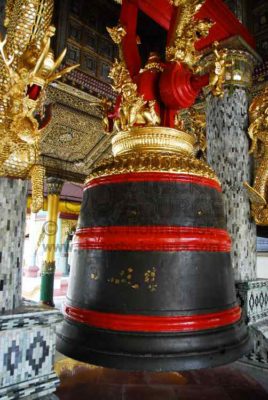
(142, 323)
(153, 238)
(153, 177)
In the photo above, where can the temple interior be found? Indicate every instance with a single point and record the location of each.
(134, 199)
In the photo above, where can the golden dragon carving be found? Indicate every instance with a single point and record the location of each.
(27, 66)
(258, 132)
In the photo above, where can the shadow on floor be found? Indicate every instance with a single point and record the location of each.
(84, 382)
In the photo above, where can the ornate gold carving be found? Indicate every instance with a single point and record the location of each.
(153, 63)
(105, 106)
(133, 109)
(193, 122)
(27, 66)
(37, 174)
(117, 33)
(73, 98)
(73, 141)
(188, 31)
(198, 123)
(155, 139)
(218, 74)
(227, 67)
(26, 22)
(152, 162)
(72, 151)
(258, 132)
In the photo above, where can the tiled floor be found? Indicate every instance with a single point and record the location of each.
(224, 383)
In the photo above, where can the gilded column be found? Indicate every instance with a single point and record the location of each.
(228, 154)
(54, 186)
(13, 203)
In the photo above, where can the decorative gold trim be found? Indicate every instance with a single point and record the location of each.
(188, 31)
(258, 133)
(156, 139)
(37, 174)
(152, 162)
(67, 207)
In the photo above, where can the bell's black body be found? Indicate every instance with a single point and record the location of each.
(151, 285)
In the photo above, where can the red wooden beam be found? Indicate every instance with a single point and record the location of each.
(226, 24)
(128, 18)
(159, 10)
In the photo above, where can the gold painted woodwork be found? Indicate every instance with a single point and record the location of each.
(231, 63)
(133, 110)
(258, 133)
(188, 31)
(217, 74)
(25, 60)
(152, 162)
(37, 174)
(153, 139)
(78, 122)
(193, 121)
(53, 198)
(67, 207)
(74, 131)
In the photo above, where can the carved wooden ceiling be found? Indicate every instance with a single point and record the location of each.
(74, 139)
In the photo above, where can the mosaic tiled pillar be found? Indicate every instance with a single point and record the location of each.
(228, 146)
(13, 197)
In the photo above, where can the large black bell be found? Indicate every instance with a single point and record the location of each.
(151, 285)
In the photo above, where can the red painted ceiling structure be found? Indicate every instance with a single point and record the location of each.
(176, 87)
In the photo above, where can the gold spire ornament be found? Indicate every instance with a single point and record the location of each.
(258, 133)
(27, 66)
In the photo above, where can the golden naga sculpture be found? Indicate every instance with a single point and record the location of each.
(188, 31)
(258, 132)
(27, 66)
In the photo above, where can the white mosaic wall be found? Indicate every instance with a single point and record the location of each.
(13, 193)
(228, 145)
(27, 351)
